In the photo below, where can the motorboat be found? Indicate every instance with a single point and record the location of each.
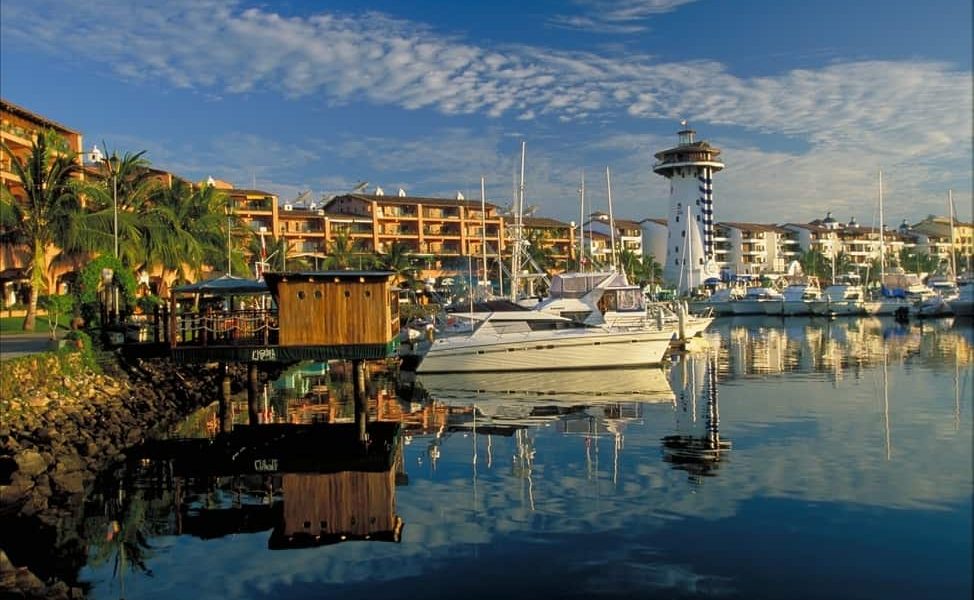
(758, 301)
(797, 298)
(719, 303)
(535, 340)
(608, 299)
(840, 299)
(963, 304)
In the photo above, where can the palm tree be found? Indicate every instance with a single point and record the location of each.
(45, 213)
(340, 254)
(125, 190)
(180, 228)
(398, 261)
(815, 263)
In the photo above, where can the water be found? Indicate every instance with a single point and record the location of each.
(795, 459)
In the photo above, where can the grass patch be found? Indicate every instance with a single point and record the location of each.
(16, 325)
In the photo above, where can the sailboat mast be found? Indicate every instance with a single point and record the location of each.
(516, 253)
(483, 226)
(950, 212)
(882, 245)
(581, 223)
(612, 224)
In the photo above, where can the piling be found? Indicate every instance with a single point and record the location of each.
(253, 390)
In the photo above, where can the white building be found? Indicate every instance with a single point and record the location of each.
(690, 167)
(654, 238)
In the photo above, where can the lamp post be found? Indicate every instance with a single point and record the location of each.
(111, 165)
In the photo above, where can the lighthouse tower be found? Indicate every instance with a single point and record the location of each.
(690, 167)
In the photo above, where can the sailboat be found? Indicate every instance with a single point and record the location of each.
(891, 300)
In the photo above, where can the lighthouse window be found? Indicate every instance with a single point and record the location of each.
(698, 218)
(678, 219)
(701, 261)
(683, 233)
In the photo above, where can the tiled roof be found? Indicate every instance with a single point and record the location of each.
(23, 112)
(413, 200)
(544, 223)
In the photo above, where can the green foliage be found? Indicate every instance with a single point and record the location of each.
(147, 304)
(90, 279)
(56, 306)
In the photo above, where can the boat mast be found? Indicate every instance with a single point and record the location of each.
(483, 227)
(516, 253)
(612, 224)
(950, 210)
(882, 246)
(581, 224)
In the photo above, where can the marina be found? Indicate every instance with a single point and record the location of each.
(847, 440)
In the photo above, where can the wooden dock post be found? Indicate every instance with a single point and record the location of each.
(225, 394)
(253, 389)
(361, 402)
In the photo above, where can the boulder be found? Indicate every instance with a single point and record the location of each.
(31, 463)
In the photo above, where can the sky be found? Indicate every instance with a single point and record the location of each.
(808, 101)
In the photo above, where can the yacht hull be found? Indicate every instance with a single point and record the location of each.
(565, 349)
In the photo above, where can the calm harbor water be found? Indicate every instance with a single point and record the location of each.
(786, 459)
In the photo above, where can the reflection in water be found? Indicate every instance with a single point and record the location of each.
(697, 453)
(510, 474)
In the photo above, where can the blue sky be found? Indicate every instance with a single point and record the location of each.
(807, 100)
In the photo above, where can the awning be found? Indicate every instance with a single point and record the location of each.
(226, 285)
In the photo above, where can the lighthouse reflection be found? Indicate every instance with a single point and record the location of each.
(697, 447)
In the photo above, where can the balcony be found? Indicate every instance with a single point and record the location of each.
(435, 231)
(440, 213)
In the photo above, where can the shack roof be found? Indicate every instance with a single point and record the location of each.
(226, 285)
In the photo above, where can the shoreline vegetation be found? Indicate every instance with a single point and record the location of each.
(67, 416)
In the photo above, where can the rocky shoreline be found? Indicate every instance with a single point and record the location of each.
(63, 423)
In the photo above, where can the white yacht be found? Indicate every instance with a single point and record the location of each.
(963, 304)
(840, 299)
(720, 302)
(797, 298)
(534, 340)
(608, 299)
(758, 301)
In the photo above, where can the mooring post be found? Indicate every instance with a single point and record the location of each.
(224, 398)
(361, 404)
(253, 388)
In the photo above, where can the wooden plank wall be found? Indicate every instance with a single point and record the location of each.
(336, 313)
(350, 502)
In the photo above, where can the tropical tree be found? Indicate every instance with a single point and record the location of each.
(122, 194)
(815, 263)
(340, 254)
(631, 265)
(540, 250)
(181, 227)
(399, 262)
(912, 259)
(43, 217)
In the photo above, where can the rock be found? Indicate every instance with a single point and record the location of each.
(31, 463)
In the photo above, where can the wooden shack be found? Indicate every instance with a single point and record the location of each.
(354, 312)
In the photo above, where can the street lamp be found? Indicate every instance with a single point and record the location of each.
(111, 165)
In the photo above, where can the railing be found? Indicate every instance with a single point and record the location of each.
(226, 328)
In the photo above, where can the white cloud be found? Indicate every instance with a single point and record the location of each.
(910, 117)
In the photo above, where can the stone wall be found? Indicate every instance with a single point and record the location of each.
(63, 420)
